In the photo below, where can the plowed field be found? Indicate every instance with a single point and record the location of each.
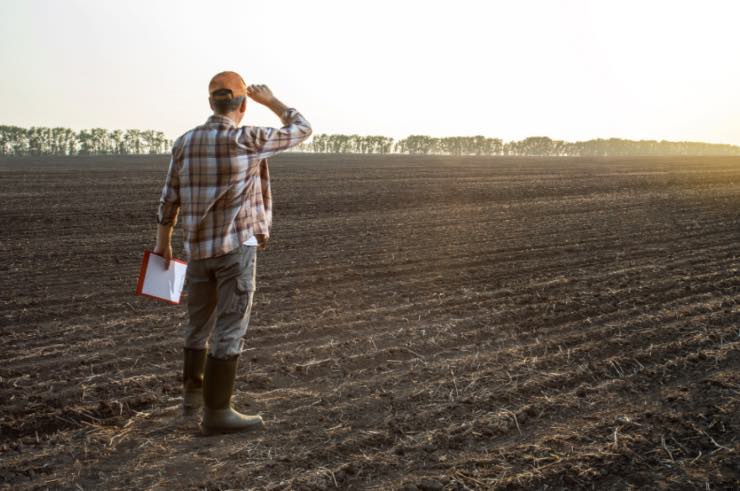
(419, 323)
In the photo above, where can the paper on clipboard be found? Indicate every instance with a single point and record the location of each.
(159, 283)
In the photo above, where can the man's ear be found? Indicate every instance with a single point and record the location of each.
(210, 103)
(243, 106)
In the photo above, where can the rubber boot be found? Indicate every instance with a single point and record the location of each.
(218, 386)
(192, 381)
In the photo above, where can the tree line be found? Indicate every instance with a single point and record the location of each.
(15, 140)
(98, 141)
(531, 146)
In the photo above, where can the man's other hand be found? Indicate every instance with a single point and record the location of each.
(261, 242)
(165, 252)
(261, 94)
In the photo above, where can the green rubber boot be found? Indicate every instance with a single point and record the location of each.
(218, 385)
(192, 381)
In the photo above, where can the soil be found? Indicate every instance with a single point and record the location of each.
(420, 323)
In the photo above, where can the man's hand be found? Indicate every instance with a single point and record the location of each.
(166, 252)
(164, 243)
(263, 95)
(260, 93)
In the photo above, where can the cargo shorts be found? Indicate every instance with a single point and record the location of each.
(220, 293)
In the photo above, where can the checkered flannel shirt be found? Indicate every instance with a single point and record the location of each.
(218, 181)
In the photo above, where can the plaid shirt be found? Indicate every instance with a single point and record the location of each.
(218, 181)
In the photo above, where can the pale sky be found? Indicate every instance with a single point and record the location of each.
(570, 69)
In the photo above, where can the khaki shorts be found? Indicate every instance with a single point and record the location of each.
(220, 292)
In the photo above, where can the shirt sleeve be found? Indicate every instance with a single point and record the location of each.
(169, 201)
(266, 142)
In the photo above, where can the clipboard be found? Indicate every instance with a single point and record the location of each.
(158, 283)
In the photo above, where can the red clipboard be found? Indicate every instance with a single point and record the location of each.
(160, 284)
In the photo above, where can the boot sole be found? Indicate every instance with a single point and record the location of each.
(225, 431)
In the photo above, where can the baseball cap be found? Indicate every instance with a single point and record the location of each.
(225, 86)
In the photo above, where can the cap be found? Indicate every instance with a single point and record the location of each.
(227, 86)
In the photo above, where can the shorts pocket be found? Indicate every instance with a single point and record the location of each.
(244, 282)
(240, 296)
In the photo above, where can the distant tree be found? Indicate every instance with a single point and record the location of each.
(133, 141)
(117, 144)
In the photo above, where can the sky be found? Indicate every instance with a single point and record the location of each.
(567, 69)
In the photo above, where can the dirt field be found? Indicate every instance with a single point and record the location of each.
(419, 323)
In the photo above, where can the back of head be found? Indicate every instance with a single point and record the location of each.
(226, 91)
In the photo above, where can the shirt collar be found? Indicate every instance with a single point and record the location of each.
(219, 119)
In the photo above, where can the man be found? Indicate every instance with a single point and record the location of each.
(218, 183)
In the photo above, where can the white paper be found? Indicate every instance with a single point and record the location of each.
(162, 283)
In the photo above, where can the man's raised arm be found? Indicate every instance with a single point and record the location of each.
(267, 141)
